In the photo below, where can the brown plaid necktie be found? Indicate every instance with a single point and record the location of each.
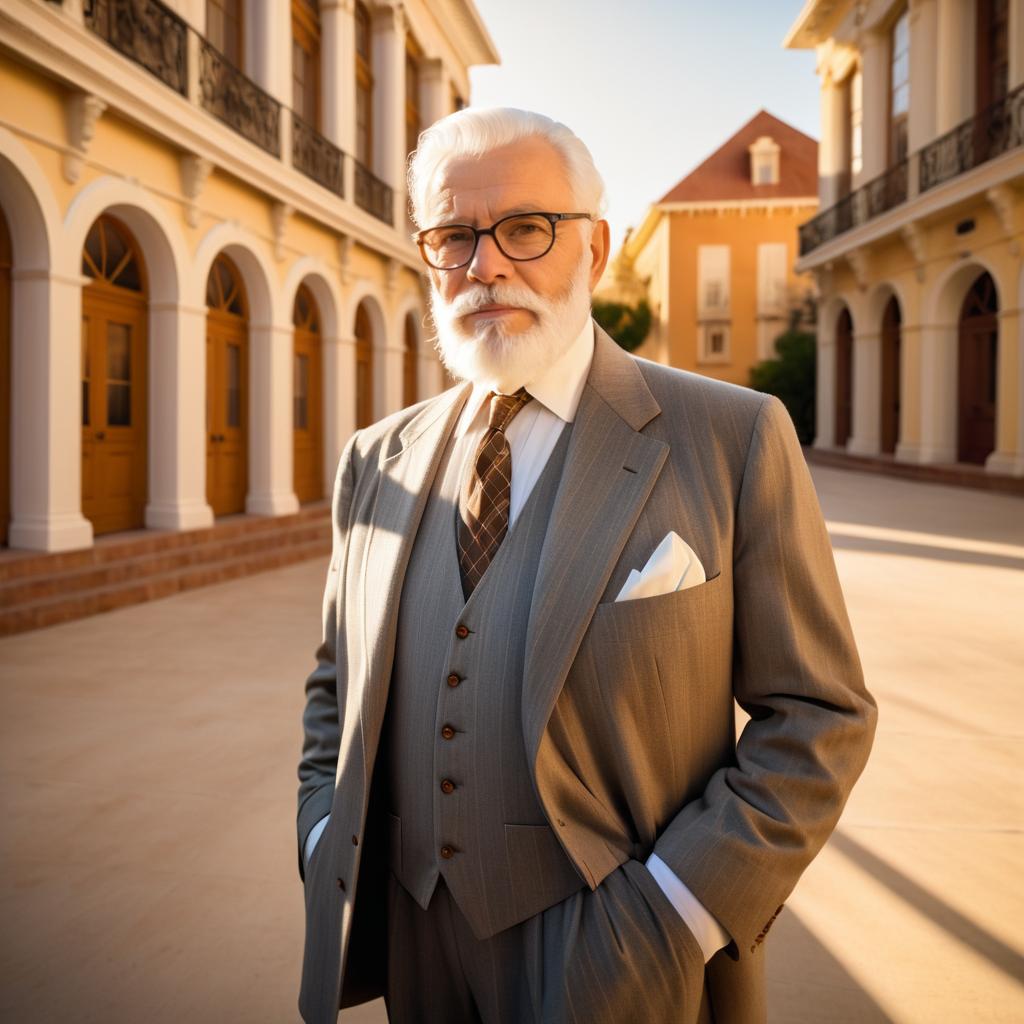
(484, 499)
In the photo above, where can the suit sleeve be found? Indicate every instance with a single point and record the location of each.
(741, 846)
(321, 734)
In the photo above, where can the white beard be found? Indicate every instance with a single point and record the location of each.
(496, 359)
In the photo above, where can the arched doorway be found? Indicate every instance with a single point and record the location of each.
(844, 378)
(410, 362)
(114, 400)
(6, 260)
(364, 367)
(976, 371)
(227, 377)
(890, 398)
(307, 398)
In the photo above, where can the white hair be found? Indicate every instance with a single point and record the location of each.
(474, 131)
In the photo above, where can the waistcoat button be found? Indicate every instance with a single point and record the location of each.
(461, 631)
(447, 732)
(453, 680)
(447, 852)
(447, 786)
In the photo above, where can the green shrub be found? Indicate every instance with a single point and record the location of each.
(628, 325)
(791, 377)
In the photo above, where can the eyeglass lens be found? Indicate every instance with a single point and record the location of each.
(519, 238)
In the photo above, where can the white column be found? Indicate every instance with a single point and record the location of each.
(830, 148)
(911, 383)
(338, 81)
(954, 62)
(1015, 31)
(875, 125)
(924, 72)
(1008, 456)
(392, 355)
(434, 90)
(340, 405)
(46, 414)
(271, 426)
(177, 419)
(268, 47)
(938, 393)
(825, 390)
(389, 102)
(865, 436)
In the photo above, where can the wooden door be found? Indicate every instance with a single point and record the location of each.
(844, 378)
(6, 260)
(410, 362)
(979, 334)
(307, 398)
(890, 398)
(227, 377)
(114, 406)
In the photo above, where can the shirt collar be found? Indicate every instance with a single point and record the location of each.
(559, 388)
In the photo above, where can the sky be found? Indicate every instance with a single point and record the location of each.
(652, 87)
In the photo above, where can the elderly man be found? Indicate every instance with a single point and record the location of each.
(521, 793)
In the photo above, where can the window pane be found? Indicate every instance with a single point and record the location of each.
(118, 352)
(119, 404)
(301, 392)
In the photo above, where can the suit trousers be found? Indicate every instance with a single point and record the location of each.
(614, 955)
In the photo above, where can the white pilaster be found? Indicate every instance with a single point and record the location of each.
(338, 82)
(874, 76)
(825, 390)
(389, 101)
(921, 120)
(938, 393)
(271, 443)
(954, 62)
(46, 414)
(830, 148)
(1008, 456)
(865, 438)
(177, 419)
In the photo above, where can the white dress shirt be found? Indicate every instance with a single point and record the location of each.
(532, 436)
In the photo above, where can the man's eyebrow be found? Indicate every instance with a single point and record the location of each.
(511, 212)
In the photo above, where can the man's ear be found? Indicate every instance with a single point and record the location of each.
(600, 246)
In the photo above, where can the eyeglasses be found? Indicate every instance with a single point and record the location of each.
(520, 236)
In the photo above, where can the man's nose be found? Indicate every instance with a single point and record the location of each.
(488, 262)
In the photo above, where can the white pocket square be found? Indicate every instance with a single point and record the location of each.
(673, 566)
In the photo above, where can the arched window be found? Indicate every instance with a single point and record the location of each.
(224, 29)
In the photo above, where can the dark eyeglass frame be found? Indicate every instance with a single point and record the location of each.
(552, 218)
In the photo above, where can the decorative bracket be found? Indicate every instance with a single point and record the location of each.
(859, 261)
(83, 111)
(194, 172)
(1001, 199)
(279, 214)
(913, 239)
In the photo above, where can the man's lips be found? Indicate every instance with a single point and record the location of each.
(493, 310)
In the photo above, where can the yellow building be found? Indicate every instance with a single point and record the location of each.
(714, 256)
(917, 252)
(206, 275)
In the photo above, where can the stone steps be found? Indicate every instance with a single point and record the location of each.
(38, 590)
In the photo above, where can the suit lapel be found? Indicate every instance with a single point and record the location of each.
(402, 490)
(610, 469)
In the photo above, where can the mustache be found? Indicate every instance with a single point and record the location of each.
(493, 295)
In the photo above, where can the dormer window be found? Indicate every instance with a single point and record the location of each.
(764, 161)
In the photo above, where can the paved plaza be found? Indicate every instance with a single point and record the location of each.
(149, 755)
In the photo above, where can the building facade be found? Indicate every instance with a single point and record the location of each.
(714, 256)
(917, 252)
(207, 280)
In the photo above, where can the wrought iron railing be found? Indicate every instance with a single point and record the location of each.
(148, 33)
(237, 100)
(876, 197)
(318, 158)
(374, 195)
(994, 131)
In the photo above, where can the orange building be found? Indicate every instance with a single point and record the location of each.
(714, 256)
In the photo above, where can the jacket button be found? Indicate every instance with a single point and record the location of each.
(341, 884)
(447, 852)
(461, 631)
(355, 841)
(447, 732)
(454, 680)
(447, 786)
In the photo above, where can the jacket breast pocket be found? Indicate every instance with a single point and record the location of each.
(686, 610)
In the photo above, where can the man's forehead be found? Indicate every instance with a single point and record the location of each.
(475, 205)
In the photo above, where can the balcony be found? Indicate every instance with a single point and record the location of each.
(318, 158)
(146, 32)
(991, 133)
(880, 194)
(373, 195)
(154, 37)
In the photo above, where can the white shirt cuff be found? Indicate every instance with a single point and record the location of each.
(710, 935)
(314, 835)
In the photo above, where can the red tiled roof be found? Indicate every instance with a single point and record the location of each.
(726, 173)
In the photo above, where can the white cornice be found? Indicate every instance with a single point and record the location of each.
(746, 205)
(40, 35)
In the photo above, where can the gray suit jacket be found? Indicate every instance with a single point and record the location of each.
(653, 449)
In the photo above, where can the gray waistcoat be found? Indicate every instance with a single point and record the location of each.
(484, 830)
